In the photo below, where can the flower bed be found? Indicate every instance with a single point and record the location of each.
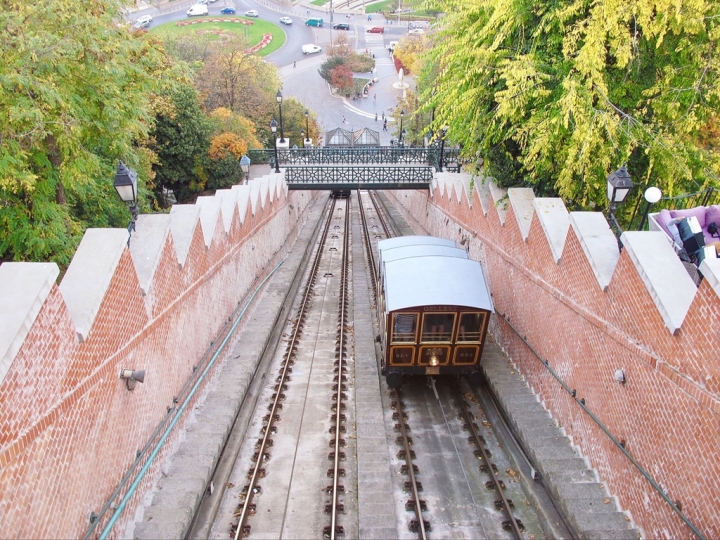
(267, 38)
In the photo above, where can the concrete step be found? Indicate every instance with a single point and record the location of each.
(627, 534)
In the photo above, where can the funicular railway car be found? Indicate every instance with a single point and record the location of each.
(433, 308)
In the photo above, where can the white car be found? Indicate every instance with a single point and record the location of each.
(197, 9)
(252, 13)
(143, 22)
(416, 31)
(286, 20)
(310, 49)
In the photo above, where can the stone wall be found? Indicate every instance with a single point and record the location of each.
(69, 427)
(559, 282)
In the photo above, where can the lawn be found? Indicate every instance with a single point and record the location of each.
(385, 5)
(319, 2)
(216, 30)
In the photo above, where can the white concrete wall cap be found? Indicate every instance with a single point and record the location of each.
(599, 244)
(146, 245)
(482, 186)
(89, 275)
(255, 194)
(209, 213)
(710, 269)
(24, 287)
(665, 277)
(183, 221)
(555, 221)
(228, 204)
(499, 200)
(243, 200)
(264, 191)
(521, 200)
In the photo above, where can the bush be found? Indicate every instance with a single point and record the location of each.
(360, 63)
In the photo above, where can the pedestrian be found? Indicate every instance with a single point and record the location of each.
(383, 116)
(385, 125)
(308, 12)
(344, 121)
(376, 117)
(294, 64)
(375, 99)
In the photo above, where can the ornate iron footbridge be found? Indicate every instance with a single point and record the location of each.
(359, 168)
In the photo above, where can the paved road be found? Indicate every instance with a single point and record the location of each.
(303, 81)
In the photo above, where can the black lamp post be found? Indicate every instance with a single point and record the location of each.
(302, 134)
(619, 185)
(278, 96)
(400, 138)
(245, 166)
(443, 132)
(273, 128)
(126, 186)
(652, 195)
(307, 125)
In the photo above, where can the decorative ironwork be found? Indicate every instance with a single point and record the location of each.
(349, 156)
(366, 177)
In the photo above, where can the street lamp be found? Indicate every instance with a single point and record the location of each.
(443, 132)
(126, 186)
(307, 125)
(273, 128)
(619, 185)
(245, 166)
(652, 195)
(278, 96)
(302, 134)
(400, 139)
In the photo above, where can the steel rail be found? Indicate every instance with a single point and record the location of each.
(422, 533)
(338, 408)
(286, 364)
(368, 246)
(486, 458)
(383, 222)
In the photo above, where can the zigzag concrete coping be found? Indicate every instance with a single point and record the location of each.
(264, 191)
(183, 220)
(146, 244)
(555, 221)
(228, 202)
(255, 194)
(498, 198)
(89, 274)
(665, 277)
(710, 269)
(521, 200)
(599, 244)
(24, 287)
(209, 209)
(482, 185)
(242, 194)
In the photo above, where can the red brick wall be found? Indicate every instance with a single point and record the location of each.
(668, 412)
(69, 429)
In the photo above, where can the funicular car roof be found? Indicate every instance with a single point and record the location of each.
(397, 241)
(422, 250)
(435, 280)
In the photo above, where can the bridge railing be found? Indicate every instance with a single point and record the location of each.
(347, 156)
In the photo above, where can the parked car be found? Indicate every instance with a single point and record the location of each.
(201, 2)
(286, 20)
(197, 9)
(310, 49)
(342, 26)
(227, 10)
(376, 30)
(252, 13)
(416, 31)
(143, 22)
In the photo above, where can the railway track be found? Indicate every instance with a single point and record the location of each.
(443, 471)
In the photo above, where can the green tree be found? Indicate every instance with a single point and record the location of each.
(328, 65)
(75, 96)
(560, 94)
(181, 142)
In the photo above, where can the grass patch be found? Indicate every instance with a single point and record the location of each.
(319, 2)
(252, 33)
(385, 5)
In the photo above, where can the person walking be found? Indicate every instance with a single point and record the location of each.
(344, 121)
(294, 64)
(383, 116)
(376, 117)
(385, 125)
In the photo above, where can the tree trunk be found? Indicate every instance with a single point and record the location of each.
(56, 161)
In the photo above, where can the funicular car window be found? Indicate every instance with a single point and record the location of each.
(471, 326)
(404, 327)
(437, 326)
